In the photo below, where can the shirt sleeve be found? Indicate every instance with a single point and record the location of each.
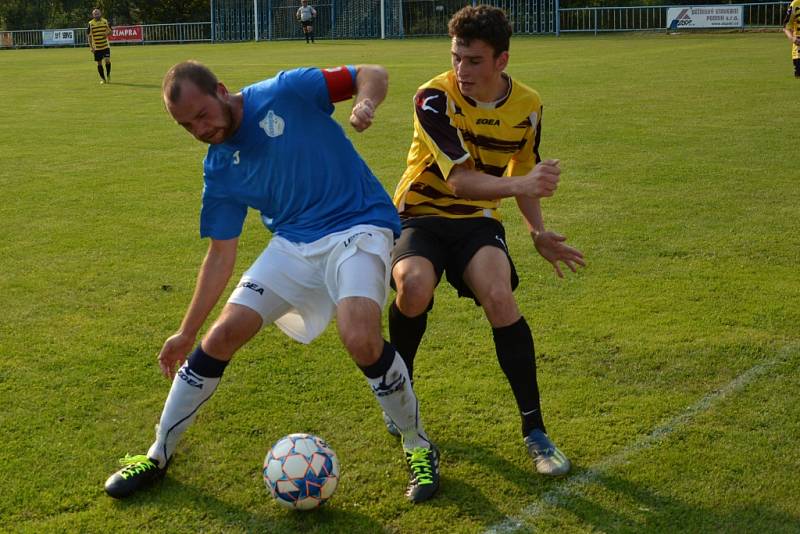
(220, 217)
(527, 157)
(322, 87)
(436, 130)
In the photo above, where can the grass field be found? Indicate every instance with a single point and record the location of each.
(668, 367)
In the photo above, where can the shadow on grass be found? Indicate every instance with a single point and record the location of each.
(470, 498)
(643, 510)
(199, 510)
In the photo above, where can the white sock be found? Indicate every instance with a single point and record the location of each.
(397, 398)
(188, 392)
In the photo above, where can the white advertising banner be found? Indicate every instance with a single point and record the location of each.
(718, 16)
(58, 37)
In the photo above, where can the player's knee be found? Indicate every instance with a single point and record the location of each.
(499, 304)
(414, 292)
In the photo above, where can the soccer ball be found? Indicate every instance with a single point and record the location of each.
(301, 471)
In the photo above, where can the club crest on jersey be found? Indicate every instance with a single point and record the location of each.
(272, 124)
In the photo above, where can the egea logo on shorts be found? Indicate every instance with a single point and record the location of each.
(252, 285)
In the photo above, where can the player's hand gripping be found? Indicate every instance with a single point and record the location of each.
(174, 352)
(554, 249)
(542, 181)
(362, 115)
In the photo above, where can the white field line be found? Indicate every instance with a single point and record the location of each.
(555, 496)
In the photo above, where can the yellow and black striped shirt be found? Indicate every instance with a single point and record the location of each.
(97, 33)
(501, 139)
(792, 22)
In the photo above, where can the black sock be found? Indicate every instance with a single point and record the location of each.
(515, 352)
(311, 34)
(204, 364)
(108, 70)
(406, 333)
(796, 66)
(100, 71)
(306, 37)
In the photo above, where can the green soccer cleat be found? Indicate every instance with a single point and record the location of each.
(138, 472)
(423, 465)
(546, 456)
(391, 428)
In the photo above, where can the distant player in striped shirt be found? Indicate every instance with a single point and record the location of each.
(476, 141)
(791, 27)
(97, 35)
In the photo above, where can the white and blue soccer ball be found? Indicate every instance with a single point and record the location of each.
(301, 471)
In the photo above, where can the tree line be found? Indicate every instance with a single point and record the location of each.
(38, 14)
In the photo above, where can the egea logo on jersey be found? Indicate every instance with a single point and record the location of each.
(488, 122)
(272, 124)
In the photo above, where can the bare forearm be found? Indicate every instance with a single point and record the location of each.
(466, 182)
(211, 281)
(531, 210)
(476, 185)
(372, 82)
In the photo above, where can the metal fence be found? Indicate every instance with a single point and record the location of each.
(189, 32)
(246, 20)
(654, 18)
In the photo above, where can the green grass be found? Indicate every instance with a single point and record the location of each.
(679, 183)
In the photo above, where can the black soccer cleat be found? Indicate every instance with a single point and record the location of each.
(137, 472)
(423, 465)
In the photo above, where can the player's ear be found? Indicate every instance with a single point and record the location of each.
(222, 91)
(502, 60)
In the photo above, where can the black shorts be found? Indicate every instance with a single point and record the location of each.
(306, 23)
(100, 54)
(450, 244)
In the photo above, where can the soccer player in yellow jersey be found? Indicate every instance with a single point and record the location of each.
(476, 141)
(791, 27)
(97, 35)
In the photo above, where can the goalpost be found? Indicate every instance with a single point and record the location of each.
(247, 20)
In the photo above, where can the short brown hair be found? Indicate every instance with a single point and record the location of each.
(193, 71)
(483, 22)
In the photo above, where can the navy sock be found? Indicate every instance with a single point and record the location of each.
(384, 362)
(205, 365)
(100, 71)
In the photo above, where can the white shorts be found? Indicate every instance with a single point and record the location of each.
(298, 285)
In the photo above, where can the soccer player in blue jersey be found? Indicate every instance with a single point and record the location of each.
(333, 227)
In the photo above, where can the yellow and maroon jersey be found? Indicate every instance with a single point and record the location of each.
(97, 33)
(499, 138)
(792, 22)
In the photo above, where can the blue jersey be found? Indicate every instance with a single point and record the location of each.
(290, 160)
